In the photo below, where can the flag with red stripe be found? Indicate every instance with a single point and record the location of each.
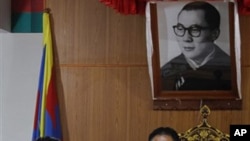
(47, 118)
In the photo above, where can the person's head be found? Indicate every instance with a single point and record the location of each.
(163, 134)
(46, 139)
(198, 26)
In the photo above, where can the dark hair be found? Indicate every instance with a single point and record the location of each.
(164, 131)
(212, 15)
(46, 139)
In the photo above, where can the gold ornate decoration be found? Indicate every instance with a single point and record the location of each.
(204, 131)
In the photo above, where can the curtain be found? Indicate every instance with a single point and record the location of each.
(244, 7)
(127, 6)
(138, 6)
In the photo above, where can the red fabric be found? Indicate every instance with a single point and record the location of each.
(138, 6)
(127, 6)
(244, 7)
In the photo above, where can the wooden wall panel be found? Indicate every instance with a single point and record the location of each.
(103, 81)
(100, 98)
(92, 34)
(245, 42)
(245, 113)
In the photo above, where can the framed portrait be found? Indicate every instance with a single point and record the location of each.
(193, 58)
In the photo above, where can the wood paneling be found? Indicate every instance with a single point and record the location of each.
(103, 81)
(245, 42)
(89, 33)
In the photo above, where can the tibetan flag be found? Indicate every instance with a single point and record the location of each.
(47, 120)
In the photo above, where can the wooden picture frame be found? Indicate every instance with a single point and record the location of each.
(163, 16)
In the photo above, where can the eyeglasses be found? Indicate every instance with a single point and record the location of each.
(194, 31)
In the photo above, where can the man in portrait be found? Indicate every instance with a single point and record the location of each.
(202, 64)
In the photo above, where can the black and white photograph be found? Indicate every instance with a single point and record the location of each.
(193, 43)
(195, 47)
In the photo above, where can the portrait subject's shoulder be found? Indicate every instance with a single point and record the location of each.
(180, 59)
(174, 66)
(220, 54)
(220, 58)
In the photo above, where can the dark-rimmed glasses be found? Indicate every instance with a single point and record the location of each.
(194, 31)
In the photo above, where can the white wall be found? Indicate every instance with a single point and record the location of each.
(20, 57)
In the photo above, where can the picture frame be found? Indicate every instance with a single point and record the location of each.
(163, 16)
